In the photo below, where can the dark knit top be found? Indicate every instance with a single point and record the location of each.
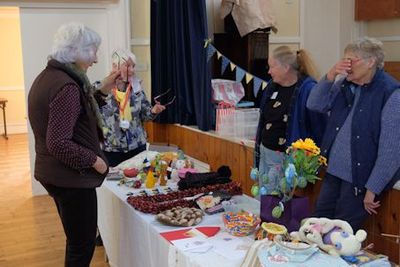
(65, 130)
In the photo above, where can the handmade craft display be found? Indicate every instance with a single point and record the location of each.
(195, 180)
(278, 187)
(335, 237)
(241, 223)
(270, 231)
(158, 203)
(180, 216)
(153, 169)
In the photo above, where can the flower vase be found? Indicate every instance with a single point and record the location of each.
(294, 210)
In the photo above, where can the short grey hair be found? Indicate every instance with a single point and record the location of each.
(74, 41)
(125, 54)
(367, 47)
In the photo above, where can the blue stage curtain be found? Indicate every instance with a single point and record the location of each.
(179, 61)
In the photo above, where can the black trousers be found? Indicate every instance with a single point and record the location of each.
(337, 200)
(115, 158)
(77, 208)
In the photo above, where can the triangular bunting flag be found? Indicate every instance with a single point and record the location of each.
(239, 74)
(264, 84)
(219, 55)
(224, 64)
(256, 85)
(210, 51)
(249, 77)
(233, 66)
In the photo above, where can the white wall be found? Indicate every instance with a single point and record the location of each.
(328, 27)
(321, 31)
(12, 76)
(38, 25)
(140, 41)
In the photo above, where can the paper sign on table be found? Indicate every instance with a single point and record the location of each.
(179, 234)
(230, 247)
(201, 231)
(208, 231)
(195, 244)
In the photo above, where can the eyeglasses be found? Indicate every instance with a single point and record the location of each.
(354, 60)
(157, 98)
(116, 58)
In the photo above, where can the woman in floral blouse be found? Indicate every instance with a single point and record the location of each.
(123, 112)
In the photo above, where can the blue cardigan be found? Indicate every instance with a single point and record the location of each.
(366, 131)
(302, 122)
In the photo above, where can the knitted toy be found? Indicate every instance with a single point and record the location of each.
(336, 237)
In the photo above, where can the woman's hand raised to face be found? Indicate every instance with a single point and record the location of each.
(342, 67)
(109, 82)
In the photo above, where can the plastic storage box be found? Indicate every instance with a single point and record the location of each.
(241, 123)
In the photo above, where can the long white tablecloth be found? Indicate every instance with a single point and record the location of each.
(131, 238)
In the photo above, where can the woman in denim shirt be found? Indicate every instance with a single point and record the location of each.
(124, 110)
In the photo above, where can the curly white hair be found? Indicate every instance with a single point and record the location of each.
(124, 54)
(75, 41)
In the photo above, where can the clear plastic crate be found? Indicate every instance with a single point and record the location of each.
(242, 124)
(246, 122)
(226, 127)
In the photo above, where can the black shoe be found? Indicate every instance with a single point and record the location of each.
(99, 241)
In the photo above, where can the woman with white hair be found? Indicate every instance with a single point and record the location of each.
(65, 120)
(124, 111)
(361, 138)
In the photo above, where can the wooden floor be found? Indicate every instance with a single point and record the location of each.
(30, 229)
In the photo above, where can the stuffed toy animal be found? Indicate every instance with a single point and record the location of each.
(336, 237)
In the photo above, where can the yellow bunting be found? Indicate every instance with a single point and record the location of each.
(264, 84)
(249, 77)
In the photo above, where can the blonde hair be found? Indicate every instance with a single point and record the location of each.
(367, 47)
(297, 60)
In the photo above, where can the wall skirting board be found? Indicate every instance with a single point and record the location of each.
(14, 128)
(12, 88)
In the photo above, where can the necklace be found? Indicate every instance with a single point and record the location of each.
(123, 101)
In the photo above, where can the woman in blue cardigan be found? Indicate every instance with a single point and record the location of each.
(361, 140)
(284, 117)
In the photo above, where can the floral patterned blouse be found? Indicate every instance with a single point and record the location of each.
(118, 139)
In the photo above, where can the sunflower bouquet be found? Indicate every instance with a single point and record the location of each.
(300, 168)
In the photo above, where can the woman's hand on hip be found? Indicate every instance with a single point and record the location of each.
(100, 165)
(369, 204)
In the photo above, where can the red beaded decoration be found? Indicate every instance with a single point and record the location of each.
(158, 203)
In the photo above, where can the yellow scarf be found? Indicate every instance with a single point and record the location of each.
(123, 99)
